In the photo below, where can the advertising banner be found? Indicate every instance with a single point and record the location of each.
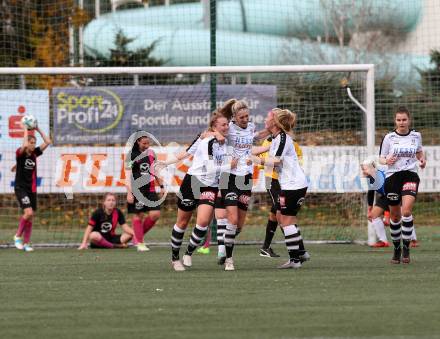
(14, 104)
(109, 115)
(101, 169)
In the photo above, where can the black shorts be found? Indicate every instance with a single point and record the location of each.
(236, 190)
(138, 206)
(290, 201)
(193, 193)
(273, 189)
(381, 201)
(219, 201)
(114, 239)
(400, 184)
(26, 199)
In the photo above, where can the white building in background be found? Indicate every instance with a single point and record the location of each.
(426, 36)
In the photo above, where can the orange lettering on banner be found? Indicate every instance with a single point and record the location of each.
(123, 176)
(94, 173)
(69, 168)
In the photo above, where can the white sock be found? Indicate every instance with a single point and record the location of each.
(413, 235)
(379, 228)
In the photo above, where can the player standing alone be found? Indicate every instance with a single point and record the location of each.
(401, 149)
(145, 200)
(26, 185)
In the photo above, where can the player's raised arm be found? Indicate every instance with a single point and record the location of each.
(46, 140)
(25, 143)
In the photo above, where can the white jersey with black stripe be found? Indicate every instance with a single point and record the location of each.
(240, 141)
(191, 149)
(209, 161)
(290, 174)
(404, 147)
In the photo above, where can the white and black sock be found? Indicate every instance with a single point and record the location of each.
(221, 229)
(292, 239)
(176, 242)
(197, 236)
(407, 230)
(396, 233)
(231, 231)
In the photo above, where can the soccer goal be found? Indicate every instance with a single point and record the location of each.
(91, 113)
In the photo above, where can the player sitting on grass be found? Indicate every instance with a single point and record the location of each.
(100, 231)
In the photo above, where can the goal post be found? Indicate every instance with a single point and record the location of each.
(91, 112)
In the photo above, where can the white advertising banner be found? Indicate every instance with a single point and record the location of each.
(14, 104)
(330, 169)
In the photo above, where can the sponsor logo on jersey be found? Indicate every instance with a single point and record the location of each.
(106, 227)
(138, 205)
(244, 199)
(25, 200)
(231, 196)
(393, 196)
(29, 164)
(409, 186)
(187, 202)
(207, 195)
(144, 168)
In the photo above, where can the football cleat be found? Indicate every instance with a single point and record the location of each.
(177, 266)
(268, 253)
(304, 257)
(18, 242)
(414, 243)
(396, 256)
(28, 248)
(141, 247)
(290, 264)
(405, 255)
(229, 264)
(381, 244)
(204, 250)
(187, 260)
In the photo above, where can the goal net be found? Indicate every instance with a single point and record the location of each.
(91, 112)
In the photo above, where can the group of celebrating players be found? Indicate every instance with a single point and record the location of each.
(219, 182)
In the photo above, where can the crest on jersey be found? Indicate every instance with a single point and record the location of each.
(26, 200)
(187, 202)
(29, 164)
(231, 196)
(393, 196)
(144, 167)
(300, 201)
(138, 205)
(106, 227)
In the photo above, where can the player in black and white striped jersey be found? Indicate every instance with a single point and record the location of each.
(283, 158)
(199, 190)
(236, 184)
(401, 150)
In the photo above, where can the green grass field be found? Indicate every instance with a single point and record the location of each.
(344, 291)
